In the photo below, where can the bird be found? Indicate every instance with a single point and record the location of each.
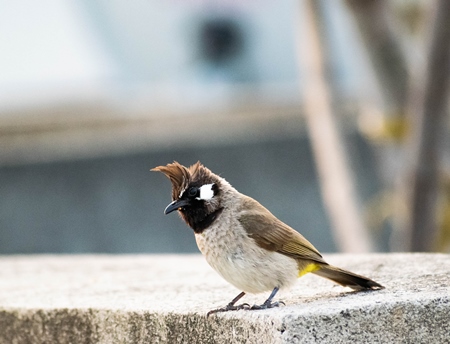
(243, 241)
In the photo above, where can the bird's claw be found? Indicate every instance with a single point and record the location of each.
(229, 307)
(267, 305)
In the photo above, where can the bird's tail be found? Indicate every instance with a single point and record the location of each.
(347, 278)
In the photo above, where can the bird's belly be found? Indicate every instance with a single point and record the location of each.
(247, 266)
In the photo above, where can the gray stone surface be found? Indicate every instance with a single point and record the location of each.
(164, 299)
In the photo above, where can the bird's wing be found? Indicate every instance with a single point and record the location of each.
(274, 235)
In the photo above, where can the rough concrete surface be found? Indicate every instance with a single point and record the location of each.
(165, 298)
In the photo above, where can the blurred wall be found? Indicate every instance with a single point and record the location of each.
(94, 94)
(116, 205)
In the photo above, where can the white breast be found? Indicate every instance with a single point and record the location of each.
(238, 259)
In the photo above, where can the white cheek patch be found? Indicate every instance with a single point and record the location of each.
(206, 192)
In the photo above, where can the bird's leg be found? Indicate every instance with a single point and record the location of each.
(268, 303)
(231, 306)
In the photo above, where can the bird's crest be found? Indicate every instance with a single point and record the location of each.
(181, 177)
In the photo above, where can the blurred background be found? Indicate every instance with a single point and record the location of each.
(333, 114)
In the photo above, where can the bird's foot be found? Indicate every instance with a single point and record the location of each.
(268, 304)
(229, 307)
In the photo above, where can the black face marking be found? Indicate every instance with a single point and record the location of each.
(199, 223)
(196, 213)
(197, 217)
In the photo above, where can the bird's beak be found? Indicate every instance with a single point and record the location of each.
(175, 205)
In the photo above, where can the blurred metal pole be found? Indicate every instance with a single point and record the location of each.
(337, 183)
(429, 111)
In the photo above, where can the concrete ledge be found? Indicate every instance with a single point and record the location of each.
(164, 299)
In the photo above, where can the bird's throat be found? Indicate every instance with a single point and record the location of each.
(199, 224)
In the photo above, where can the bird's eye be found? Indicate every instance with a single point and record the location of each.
(192, 192)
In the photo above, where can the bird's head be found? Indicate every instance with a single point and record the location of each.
(196, 194)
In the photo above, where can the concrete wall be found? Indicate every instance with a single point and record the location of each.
(165, 298)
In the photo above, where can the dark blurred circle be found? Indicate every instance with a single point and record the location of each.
(220, 40)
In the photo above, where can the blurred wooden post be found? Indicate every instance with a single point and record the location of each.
(429, 112)
(392, 75)
(384, 52)
(337, 183)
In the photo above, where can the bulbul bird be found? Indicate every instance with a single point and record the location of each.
(243, 241)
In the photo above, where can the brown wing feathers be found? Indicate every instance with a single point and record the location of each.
(272, 234)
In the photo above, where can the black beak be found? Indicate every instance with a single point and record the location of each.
(175, 205)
